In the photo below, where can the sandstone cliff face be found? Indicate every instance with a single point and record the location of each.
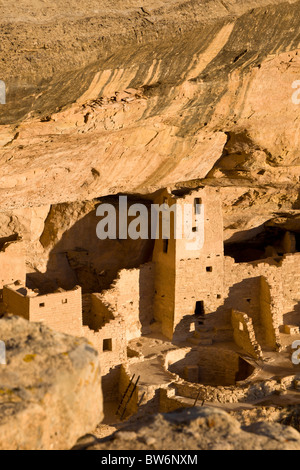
(132, 98)
(149, 94)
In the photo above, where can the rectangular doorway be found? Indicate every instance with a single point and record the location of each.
(200, 312)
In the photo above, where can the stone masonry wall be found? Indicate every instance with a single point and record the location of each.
(16, 303)
(269, 320)
(243, 291)
(194, 283)
(217, 366)
(132, 406)
(190, 272)
(132, 297)
(61, 311)
(110, 342)
(200, 272)
(244, 335)
(164, 258)
(100, 313)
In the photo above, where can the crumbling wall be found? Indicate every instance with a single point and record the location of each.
(132, 297)
(100, 313)
(15, 303)
(168, 401)
(110, 342)
(242, 288)
(245, 291)
(244, 335)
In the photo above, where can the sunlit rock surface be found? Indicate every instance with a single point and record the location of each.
(199, 429)
(144, 95)
(50, 387)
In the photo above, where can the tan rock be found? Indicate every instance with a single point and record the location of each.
(209, 108)
(202, 428)
(50, 389)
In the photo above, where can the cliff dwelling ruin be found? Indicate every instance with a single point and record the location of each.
(182, 318)
(173, 106)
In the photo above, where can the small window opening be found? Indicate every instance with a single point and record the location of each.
(197, 204)
(42, 305)
(209, 269)
(165, 245)
(65, 301)
(107, 344)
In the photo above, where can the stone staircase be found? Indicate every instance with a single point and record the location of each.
(202, 336)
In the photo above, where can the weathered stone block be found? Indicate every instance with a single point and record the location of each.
(50, 388)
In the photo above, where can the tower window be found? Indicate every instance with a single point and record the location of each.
(107, 345)
(197, 204)
(65, 301)
(42, 305)
(209, 269)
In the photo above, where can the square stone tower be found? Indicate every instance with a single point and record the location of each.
(189, 280)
